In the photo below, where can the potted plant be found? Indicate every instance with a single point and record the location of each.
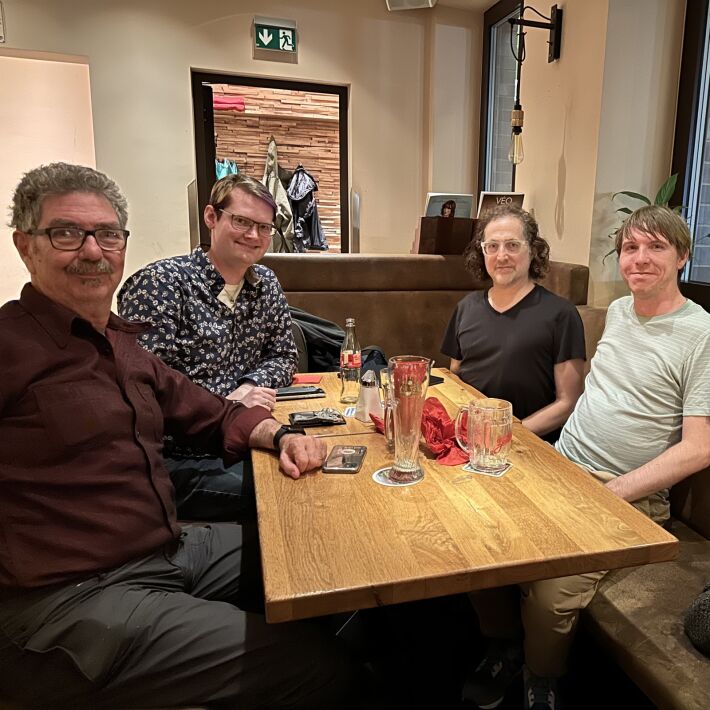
(664, 194)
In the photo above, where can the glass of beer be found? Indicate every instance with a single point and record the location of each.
(408, 381)
(484, 429)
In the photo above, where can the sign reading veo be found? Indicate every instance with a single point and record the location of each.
(489, 200)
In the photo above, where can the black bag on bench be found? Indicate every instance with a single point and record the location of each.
(697, 622)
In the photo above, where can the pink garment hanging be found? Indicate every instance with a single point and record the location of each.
(228, 103)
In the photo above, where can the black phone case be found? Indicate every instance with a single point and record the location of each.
(306, 419)
(299, 392)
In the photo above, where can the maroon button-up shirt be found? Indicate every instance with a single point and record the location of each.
(83, 487)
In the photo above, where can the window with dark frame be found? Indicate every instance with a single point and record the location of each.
(495, 171)
(691, 148)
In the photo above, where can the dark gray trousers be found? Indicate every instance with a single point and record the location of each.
(166, 630)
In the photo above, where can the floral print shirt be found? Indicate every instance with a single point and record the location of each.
(194, 332)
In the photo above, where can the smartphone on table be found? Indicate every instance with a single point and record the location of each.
(344, 459)
(299, 392)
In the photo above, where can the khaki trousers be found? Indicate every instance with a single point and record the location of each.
(544, 614)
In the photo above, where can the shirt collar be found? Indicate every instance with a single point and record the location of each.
(58, 320)
(214, 280)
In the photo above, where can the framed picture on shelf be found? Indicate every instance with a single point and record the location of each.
(489, 200)
(446, 204)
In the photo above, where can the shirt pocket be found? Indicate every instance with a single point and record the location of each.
(76, 413)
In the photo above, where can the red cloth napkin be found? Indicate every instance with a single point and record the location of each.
(307, 379)
(378, 422)
(438, 431)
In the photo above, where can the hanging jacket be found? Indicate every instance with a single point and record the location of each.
(284, 219)
(323, 340)
(308, 231)
(224, 167)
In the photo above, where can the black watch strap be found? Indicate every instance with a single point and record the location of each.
(282, 431)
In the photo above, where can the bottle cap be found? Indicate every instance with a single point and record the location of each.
(368, 379)
(349, 322)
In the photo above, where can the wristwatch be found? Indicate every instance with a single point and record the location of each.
(283, 430)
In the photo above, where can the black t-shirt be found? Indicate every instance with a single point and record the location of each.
(512, 355)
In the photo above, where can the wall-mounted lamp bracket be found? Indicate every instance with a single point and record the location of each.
(555, 27)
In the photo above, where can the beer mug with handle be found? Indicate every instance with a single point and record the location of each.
(484, 429)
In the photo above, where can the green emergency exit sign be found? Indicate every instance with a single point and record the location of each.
(278, 35)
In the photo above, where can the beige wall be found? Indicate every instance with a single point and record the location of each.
(45, 115)
(140, 54)
(637, 121)
(562, 103)
(598, 121)
(455, 98)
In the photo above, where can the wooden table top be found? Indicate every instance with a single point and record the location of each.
(338, 542)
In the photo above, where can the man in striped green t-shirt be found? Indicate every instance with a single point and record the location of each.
(642, 425)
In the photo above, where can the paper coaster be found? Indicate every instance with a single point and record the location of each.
(496, 474)
(380, 476)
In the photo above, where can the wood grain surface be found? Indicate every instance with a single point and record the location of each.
(338, 542)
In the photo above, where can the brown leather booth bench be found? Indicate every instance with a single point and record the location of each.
(403, 303)
(637, 613)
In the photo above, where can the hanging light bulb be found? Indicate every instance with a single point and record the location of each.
(516, 154)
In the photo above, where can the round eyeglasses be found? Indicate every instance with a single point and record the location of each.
(243, 224)
(73, 238)
(511, 246)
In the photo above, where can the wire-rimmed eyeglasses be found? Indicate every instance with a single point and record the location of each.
(512, 246)
(244, 224)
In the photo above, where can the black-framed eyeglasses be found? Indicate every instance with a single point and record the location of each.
(244, 224)
(73, 238)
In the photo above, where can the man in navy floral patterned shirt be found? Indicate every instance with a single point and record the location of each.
(223, 320)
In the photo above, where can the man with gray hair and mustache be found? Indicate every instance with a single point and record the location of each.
(105, 600)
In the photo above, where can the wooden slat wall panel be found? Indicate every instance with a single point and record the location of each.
(305, 126)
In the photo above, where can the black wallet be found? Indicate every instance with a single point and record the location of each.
(323, 417)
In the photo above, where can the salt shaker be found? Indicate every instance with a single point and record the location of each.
(369, 399)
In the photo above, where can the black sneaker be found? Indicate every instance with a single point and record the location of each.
(540, 693)
(487, 685)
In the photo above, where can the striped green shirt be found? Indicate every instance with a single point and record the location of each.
(647, 374)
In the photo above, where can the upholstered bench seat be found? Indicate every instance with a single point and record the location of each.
(637, 615)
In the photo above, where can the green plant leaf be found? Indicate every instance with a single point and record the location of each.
(665, 192)
(608, 254)
(634, 195)
(625, 210)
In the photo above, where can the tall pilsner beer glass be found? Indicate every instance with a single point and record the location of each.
(409, 378)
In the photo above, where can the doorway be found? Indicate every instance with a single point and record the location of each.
(235, 116)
